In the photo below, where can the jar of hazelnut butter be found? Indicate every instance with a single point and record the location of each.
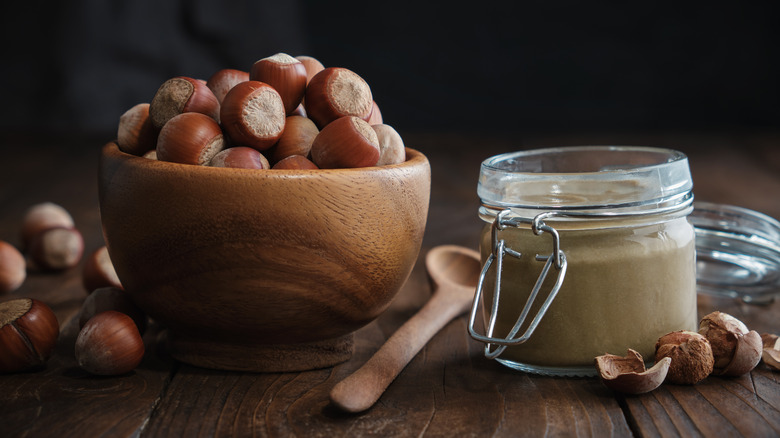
(585, 250)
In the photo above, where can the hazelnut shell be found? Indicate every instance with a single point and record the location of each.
(627, 374)
(691, 355)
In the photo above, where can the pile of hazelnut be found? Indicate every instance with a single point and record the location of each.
(109, 340)
(723, 346)
(284, 113)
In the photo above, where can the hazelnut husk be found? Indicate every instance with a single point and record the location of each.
(735, 349)
(771, 351)
(627, 374)
(691, 355)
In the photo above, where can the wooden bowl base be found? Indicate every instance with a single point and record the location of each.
(264, 358)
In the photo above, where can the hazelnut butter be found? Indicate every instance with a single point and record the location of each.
(609, 225)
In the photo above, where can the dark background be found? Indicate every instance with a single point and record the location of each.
(75, 66)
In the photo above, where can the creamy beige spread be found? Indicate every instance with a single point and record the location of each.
(625, 287)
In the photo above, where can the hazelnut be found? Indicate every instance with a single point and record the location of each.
(98, 271)
(57, 249)
(627, 374)
(376, 115)
(295, 162)
(253, 115)
(109, 344)
(337, 92)
(223, 80)
(28, 334)
(736, 351)
(190, 138)
(13, 268)
(41, 217)
(111, 298)
(391, 146)
(691, 355)
(771, 352)
(312, 65)
(286, 74)
(135, 134)
(297, 138)
(345, 142)
(182, 95)
(240, 157)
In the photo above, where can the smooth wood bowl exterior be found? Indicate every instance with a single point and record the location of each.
(263, 270)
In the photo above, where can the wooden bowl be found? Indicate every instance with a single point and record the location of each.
(262, 270)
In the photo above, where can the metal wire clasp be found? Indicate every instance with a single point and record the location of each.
(499, 249)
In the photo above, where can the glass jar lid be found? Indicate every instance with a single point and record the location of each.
(737, 252)
(586, 178)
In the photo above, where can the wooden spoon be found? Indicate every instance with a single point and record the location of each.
(453, 271)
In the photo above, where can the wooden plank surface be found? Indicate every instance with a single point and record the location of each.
(448, 389)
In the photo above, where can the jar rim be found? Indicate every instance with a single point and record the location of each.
(626, 178)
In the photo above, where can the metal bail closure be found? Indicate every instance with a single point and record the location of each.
(499, 250)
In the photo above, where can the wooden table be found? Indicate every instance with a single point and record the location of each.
(449, 389)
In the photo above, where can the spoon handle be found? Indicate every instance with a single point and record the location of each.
(363, 388)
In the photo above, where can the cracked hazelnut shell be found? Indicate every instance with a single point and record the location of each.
(691, 355)
(735, 349)
(627, 374)
(771, 351)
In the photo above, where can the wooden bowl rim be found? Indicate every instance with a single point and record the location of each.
(414, 158)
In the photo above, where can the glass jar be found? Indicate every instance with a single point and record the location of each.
(586, 250)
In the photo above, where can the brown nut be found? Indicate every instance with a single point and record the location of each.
(376, 115)
(223, 80)
(691, 355)
(627, 374)
(41, 217)
(182, 95)
(111, 298)
(253, 115)
(345, 142)
(98, 271)
(297, 138)
(391, 146)
(13, 268)
(109, 344)
(57, 249)
(312, 65)
(337, 92)
(736, 351)
(28, 333)
(135, 134)
(240, 157)
(771, 351)
(190, 138)
(298, 162)
(286, 74)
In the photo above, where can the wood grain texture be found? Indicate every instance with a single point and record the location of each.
(448, 389)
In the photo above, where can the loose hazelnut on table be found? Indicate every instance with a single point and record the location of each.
(286, 74)
(181, 95)
(135, 134)
(190, 138)
(240, 157)
(297, 138)
(391, 146)
(345, 142)
(41, 217)
(109, 344)
(337, 92)
(98, 271)
(223, 80)
(735, 349)
(691, 355)
(57, 249)
(253, 115)
(13, 268)
(28, 334)
(627, 374)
